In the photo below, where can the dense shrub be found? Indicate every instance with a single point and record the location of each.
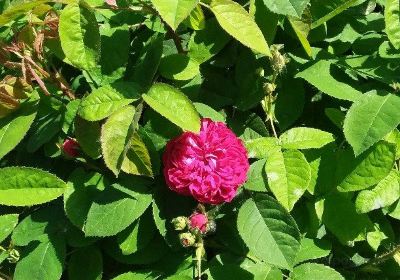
(168, 139)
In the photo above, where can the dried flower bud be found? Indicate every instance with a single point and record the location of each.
(211, 227)
(13, 256)
(278, 60)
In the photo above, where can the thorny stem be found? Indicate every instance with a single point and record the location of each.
(383, 258)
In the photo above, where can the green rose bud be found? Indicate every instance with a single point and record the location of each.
(180, 223)
(187, 239)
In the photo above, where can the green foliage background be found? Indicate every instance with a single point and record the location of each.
(310, 86)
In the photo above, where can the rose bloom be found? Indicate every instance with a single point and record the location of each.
(210, 165)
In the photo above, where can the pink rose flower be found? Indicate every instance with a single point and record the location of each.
(71, 147)
(198, 221)
(210, 165)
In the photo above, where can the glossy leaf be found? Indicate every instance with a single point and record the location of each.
(368, 169)
(108, 99)
(14, 127)
(384, 194)
(25, 186)
(269, 231)
(175, 11)
(288, 175)
(315, 271)
(114, 209)
(287, 7)
(392, 21)
(234, 19)
(319, 75)
(79, 36)
(44, 261)
(370, 118)
(173, 105)
(7, 223)
(305, 138)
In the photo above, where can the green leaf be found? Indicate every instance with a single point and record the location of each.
(133, 276)
(370, 118)
(25, 186)
(19, 8)
(392, 22)
(148, 63)
(341, 218)
(206, 43)
(261, 147)
(46, 126)
(14, 127)
(122, 147)
(288, 175)
(173, 105)
(257, 177)
(178, 67)
(302, 27)
(287, 7)
(353, 174)
(269, 231)
(137, 160)
(44, 261)
(88, 136)
(323, 10)
(138, 235)
(315, 271)
(174, 11)
(42, 225)
(78, 197)
(319, 75)
(373, 66)
(108, 99)
(79, 36)
(196, 19)
(237, 22)
(312, 249)
(384, 194)
(115, 208)
(166, 206)
(207, 112)
(113, 57)
(7, 224)
(305, 138)
(86, 264)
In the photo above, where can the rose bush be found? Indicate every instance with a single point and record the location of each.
(199, 139)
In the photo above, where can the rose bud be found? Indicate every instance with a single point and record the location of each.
(198, 221)
(187, 239)
(71, 147)
(180, 223)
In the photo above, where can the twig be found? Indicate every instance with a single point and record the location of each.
(273, 127)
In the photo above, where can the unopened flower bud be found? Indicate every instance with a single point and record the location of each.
(180, 223)
(187, 239)
(198, 221)
(71, 147)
